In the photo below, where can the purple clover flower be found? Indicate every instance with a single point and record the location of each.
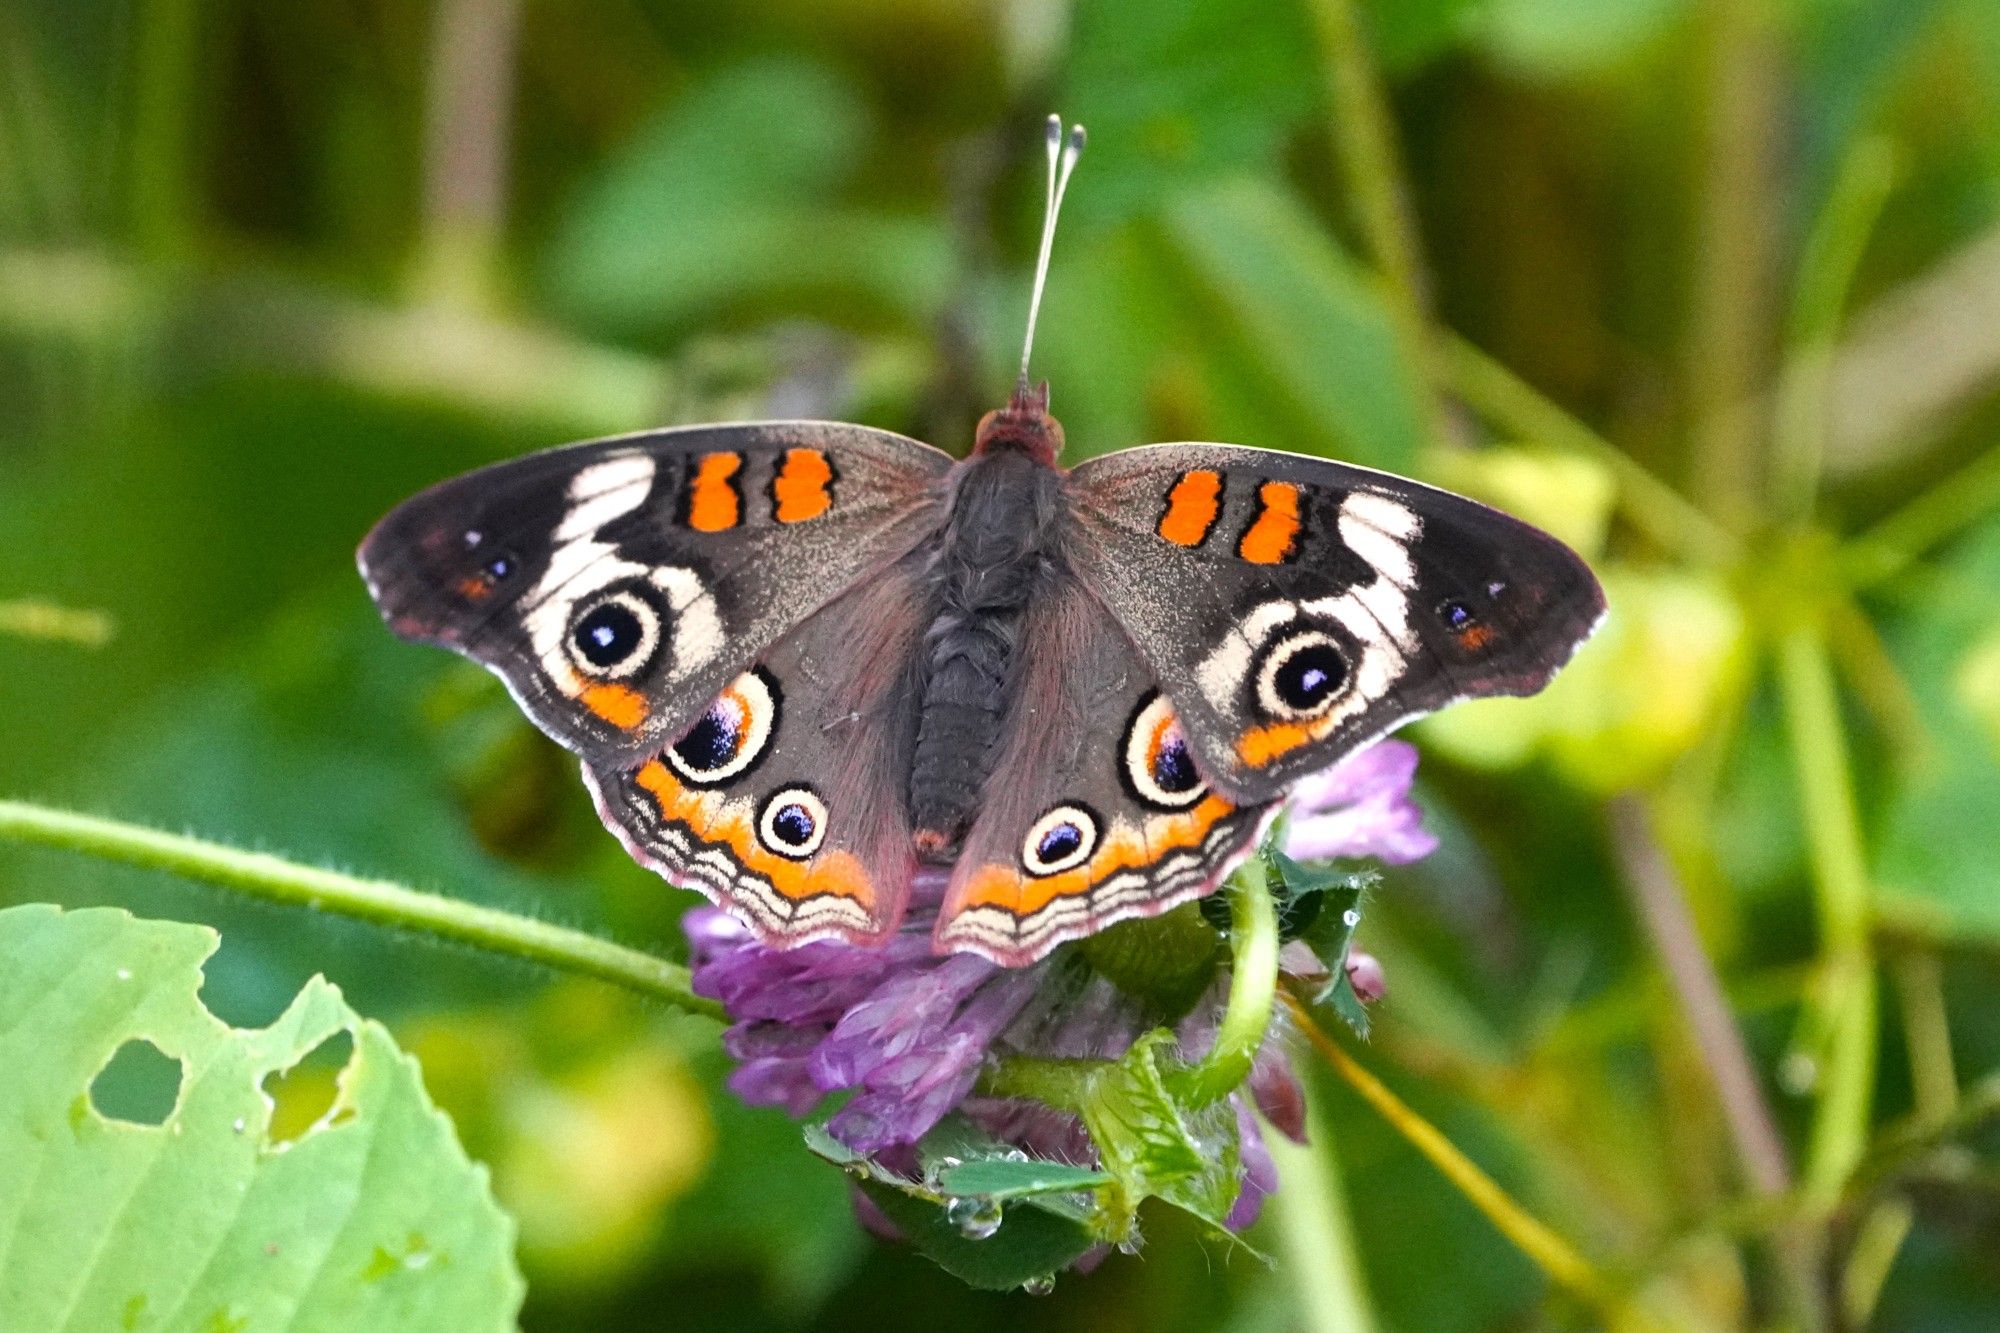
(908, 1032)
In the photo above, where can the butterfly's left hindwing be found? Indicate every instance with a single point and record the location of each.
(618, 586)
(1295, 609)
(784, 802)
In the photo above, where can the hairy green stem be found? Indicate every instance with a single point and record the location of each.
(1847, 995)
(280, 881)
(1253, 981)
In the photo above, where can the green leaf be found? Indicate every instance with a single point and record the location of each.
(1175, 91)
(1015, 1178)
(1309, 323)
(980, 1236)
(1330, 934)
(1136, 1124)
(373, 1218)
(697, 218)
(1031, 1244)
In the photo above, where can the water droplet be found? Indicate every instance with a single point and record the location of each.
(1039, 1286)
(975, 1218)
(947, 1162)
(1351, 917)
(124, 974)
(240, 1125)
(1798, 1073)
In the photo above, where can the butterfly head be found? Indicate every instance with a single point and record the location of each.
(1024, 425)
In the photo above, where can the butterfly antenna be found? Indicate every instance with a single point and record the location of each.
(1063, 153)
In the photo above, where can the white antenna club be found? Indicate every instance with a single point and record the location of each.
(1062, 161)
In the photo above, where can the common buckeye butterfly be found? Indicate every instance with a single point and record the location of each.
(799, 659)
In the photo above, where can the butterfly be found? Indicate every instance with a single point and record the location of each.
(801, 659)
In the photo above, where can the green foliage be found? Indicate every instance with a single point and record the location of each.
(225, 352)
(205, 1217)
(1930, 869)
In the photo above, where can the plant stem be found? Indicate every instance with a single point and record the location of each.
(1316, 1232)
(1657, 892)
(246, 317)
(1661, 899)
(1555, 1256)
(1662, 513)
(1364, 135)
(1826, 274)
(1895, 543)
(1919, 981)
(280, 881)
(1840, 878)
(1253, 981)
(1737, 219)
(467, 139)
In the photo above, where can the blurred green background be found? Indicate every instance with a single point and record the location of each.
(1709, 287)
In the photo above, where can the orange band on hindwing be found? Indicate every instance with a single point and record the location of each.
(718, 821)
(1273, 536)
(1192, 508)
(802, 488)
(712, 504)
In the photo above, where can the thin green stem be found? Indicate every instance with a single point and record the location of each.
(1253, 980)
(1364, 134)
(1895, 543)
(166, 93)
(280, 881)
(1826, 275)
(1502, 397)
(1316, 1233)
(1736, 219)
(1847, 996)
(1555, 1256)
(1919, 982)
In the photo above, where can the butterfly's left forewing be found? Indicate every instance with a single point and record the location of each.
(617, 586)
(1295, 609)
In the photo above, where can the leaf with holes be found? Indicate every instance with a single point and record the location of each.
(140, 1184)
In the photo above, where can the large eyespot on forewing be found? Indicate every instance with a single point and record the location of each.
(733, 733)
(1299, 674)
(1155, 762)
(1060, 840)
(618, 634)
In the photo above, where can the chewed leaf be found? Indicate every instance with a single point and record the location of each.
(371, 1218)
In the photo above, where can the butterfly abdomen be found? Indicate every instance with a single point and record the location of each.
(996, 550)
